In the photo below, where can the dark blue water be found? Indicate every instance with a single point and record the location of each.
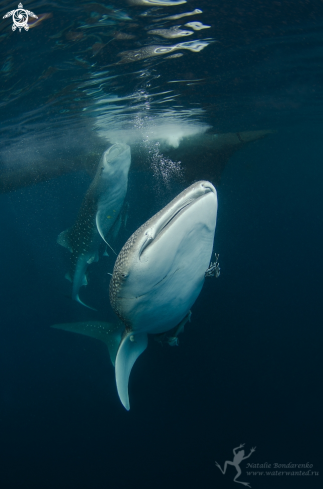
(248, 367)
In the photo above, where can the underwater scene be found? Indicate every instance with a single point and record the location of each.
(161, 244)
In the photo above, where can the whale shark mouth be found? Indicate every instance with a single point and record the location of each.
(151, 237)
(182, 207)
(172, 218)
(113, 153)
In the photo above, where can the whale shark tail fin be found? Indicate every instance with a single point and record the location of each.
(109, 333)
(131, 347)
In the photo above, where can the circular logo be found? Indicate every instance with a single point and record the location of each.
(20, 19)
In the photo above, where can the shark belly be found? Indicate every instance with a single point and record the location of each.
(179, 278)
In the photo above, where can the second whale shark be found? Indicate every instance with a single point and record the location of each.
(98, 213)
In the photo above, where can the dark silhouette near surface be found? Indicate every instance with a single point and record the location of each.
(203, 157)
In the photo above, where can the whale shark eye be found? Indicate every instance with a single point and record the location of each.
(149, 237)
(147, 241)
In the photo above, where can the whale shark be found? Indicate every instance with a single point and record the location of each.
(160, 272)
(98, 213)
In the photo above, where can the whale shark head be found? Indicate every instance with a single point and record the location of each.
(115, 159)
(160, 272)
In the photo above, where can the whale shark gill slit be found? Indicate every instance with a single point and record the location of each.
(77, 298)
(166, 276)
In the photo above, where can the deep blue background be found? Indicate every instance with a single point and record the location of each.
(248, 368)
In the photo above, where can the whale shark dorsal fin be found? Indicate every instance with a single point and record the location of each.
(131, 347)
(63, 240)
(109, 333)
(97, 222)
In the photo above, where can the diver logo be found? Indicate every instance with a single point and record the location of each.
(20, 18)
(237, 459)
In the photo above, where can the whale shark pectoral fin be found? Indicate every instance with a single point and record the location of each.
(131, 347)
(63, 240)
(109, 333)
(116, 227)
(77, 298)
(97, 222)
(180, 327)
(173, 340)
